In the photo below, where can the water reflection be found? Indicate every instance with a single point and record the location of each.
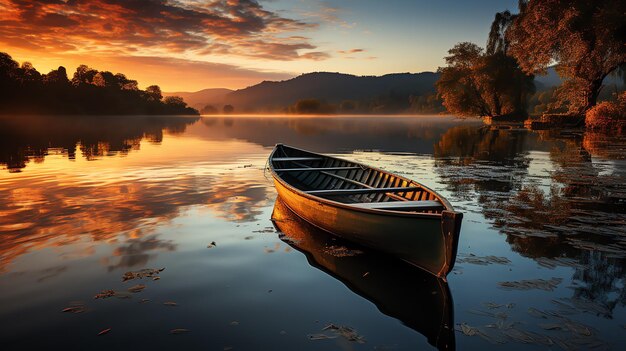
(552, 199)
(337, 134)
(31, 138)
(96, 197)
(419, 300)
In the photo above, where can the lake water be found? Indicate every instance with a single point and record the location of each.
(83, 200)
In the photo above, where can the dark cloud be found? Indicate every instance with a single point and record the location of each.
(238, 27)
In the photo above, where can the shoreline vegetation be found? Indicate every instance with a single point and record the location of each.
(583, 41)
(89, 92)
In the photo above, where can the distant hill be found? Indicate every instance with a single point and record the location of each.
(200, 99)
(334, 88)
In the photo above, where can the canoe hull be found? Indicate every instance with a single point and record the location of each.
(425, 241)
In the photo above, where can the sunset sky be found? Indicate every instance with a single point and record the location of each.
(188, 45)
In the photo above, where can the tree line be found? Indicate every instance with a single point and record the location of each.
(24, 90)
(584, 40)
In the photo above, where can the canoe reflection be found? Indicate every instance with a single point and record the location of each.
(416, 298)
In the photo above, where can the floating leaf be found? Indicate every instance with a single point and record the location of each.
(137, 288)
(341, 251)
(105, 331)
(321, 336)
(211, 245)
(144, 273)
(104, 294)
(541, 284)
(346, 332)
(170, 303)
(492, 305)
(548, 326)
(482, 261)
(74, 309)
(468, 330)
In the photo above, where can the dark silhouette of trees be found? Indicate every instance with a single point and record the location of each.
(476, 83)
(153, 93)
(228, 109)
(23, 90)
(584, 38)
(209, 110)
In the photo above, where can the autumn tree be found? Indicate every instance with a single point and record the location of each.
(475, 83)
(585, 39)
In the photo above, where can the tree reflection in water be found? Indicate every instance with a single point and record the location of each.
(26, 138)
(573, 215)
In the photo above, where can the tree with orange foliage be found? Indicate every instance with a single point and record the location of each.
(475, 83)
(585, 39)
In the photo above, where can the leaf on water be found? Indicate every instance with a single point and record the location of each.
(248, 238)
(170, 303)
(74, 309)
(105, 331)
(144, 273)
(341, 251)
(541, 284)
(468, 330)
(578, 328)
(137, 288)
(144, 300)
(104, 294)
(265, 230)
(211, 245)
(346, 332)
(548, 326)
(492, 305)
(321, 336)
(179, 331)
(482, 261)
(156, 278)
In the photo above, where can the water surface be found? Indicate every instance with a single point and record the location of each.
(84, 200)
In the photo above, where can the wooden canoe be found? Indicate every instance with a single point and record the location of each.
(400, 290)
(369, 206)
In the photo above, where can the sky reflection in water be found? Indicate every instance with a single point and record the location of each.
(83, 200)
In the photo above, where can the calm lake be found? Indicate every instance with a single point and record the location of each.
(83, 200)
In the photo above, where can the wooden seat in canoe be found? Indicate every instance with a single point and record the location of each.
(316, 169)
(361, 191)
(428, 205)
(291, 159)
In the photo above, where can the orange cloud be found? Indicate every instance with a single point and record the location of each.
(351, 51)
(232, 27)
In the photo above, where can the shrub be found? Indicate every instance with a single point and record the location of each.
(608, 115)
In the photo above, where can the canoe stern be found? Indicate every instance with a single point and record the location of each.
(451, 230)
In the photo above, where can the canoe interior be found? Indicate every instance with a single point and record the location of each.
(356, 177)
